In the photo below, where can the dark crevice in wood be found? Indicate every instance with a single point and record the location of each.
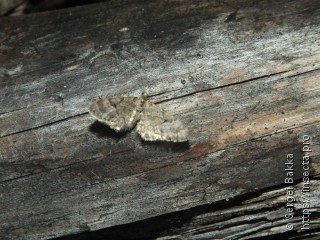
(16, 178)
(224, 86)
(11, 111)
(45, 125)
(161, 93)
(169, 224)
(302, 73)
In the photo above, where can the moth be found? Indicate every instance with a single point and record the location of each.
(153, 123)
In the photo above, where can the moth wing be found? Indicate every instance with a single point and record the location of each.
(120, 114)
(157, 124)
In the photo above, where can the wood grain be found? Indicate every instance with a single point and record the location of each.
(242, 75)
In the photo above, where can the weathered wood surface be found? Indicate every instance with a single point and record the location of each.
(244, 217)
(243, 75)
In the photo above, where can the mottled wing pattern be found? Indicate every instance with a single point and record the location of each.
(121, 114)
(157, 124)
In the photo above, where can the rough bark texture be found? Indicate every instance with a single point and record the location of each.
(242, 75)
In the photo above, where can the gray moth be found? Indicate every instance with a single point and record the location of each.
(153, 123)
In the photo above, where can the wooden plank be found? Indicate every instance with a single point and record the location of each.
(260, 214)
(242, 76)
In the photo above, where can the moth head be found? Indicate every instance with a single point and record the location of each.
(144, 96)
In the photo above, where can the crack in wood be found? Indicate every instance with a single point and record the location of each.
(224, 86)
(45, 125)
